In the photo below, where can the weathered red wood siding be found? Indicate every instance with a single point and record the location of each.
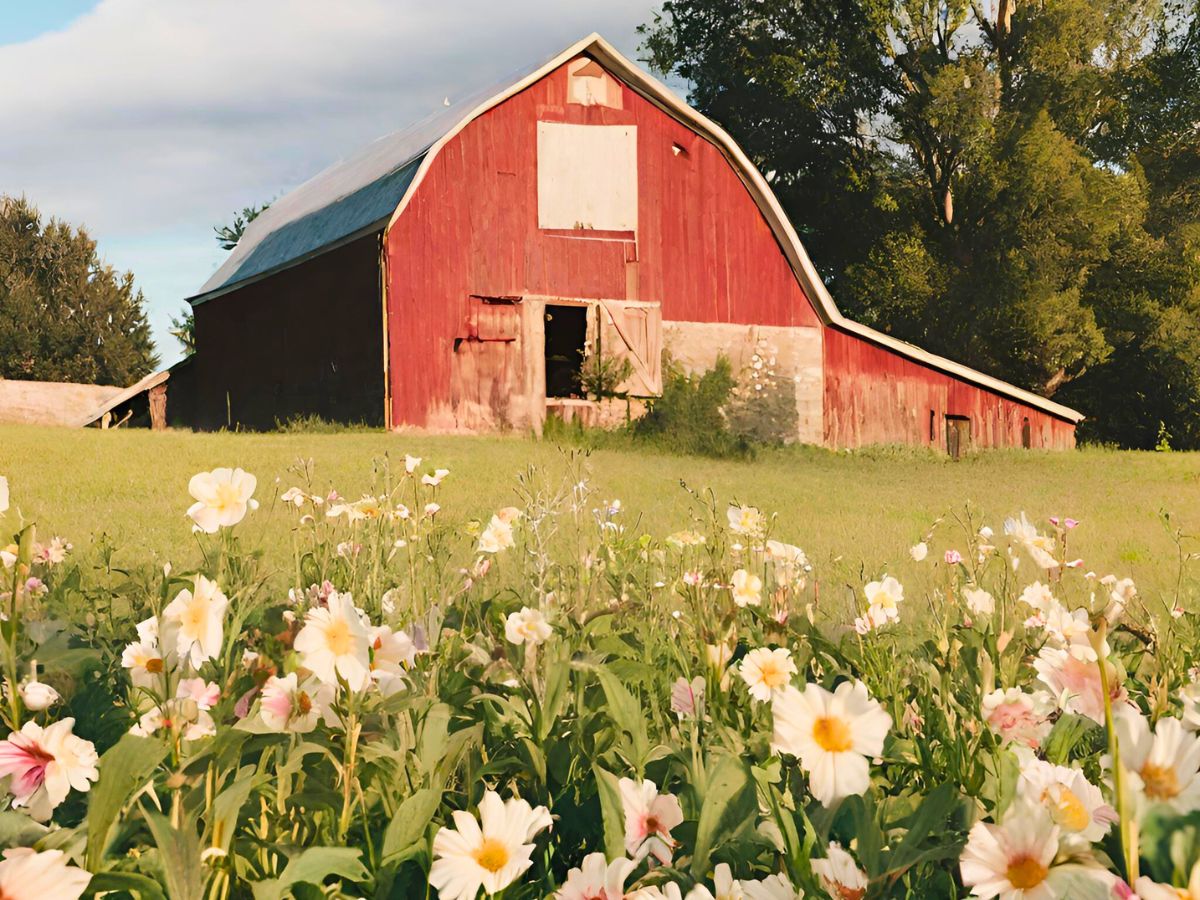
(702, 248)
(876, 396)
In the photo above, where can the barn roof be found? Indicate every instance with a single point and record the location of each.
(370, 191)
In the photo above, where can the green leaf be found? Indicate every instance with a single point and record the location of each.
(141, 886)
(730, 804)
(435, 732)
(227, 807)
(19, 830)
(626, 712)
(1066, 733)
(179, 849)
(124, 769)
(313, 866)
(407, 827)
(929, 819)
(612, 811)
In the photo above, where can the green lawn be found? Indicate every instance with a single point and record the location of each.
(867, 508)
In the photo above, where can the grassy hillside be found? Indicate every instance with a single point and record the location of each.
(865, 509)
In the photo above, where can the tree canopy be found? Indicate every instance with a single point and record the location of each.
(1013, 185)
(64, 314)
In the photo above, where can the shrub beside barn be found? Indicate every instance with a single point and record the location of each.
(463, 275)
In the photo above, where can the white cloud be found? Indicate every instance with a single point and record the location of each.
(152, 120)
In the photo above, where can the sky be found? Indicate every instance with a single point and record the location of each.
(150, 121)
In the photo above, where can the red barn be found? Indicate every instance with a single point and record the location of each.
(459, 275)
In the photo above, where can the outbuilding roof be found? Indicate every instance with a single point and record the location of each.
(352, 198)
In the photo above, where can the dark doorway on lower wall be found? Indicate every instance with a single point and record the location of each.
(566, 340)
(958, 436)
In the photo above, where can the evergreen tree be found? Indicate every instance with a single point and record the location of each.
(64, 314)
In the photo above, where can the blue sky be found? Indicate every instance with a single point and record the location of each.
(151, 121)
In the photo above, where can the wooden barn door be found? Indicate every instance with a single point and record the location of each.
(632, 330)
(958, 436)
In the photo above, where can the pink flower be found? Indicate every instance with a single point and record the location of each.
(686, 696)
(649, 818)
(1018, 717)
(206, 694)
(1075, 682)
(953, 557)
(45, 763)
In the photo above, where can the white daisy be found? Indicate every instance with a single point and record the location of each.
(1164, 765)
(528, 626)
(334, 643)
(832, 734)
(596, 879)
(1040, 547)
(222, 498)
(767, 672)
(883, 600)
(26, 874)
(193, 623)
(746, 589)
(839, 875)
(490, 853)
(1075, 805)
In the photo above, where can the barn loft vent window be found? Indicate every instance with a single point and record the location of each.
(589, 85)
(932, 427)
(587, 177)
(1026, 434)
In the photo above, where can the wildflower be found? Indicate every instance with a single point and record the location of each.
(681, 539)
(1074, 680)
(839, 875)
(1121, 593)
(289, 706)
(747, 589)
(745, 520)
(979, 601)
(1016, 860)
(649, 818)
(953, 557)
(790, 562)
(1039, 547)
(718, 655)
(35, 694)
(499, 533)
(1038, 597)
(1075, 804)
(767, 671)
(392, 654)
(1164, 765)
(773, 887)
(919, 551)
(528, 626)
(181, 715)
(596, 879)
(205, 694)
(1019, 717)
(222, 498)
(194, 621)
(1148, 889)
(432, 509)
(489, 853)
(883, 599)
(693, 578)
(45, 763)
(333, 643)
(411, 463)
(832, 734)
(144, 662)
(26, 874)
(686, 697)
(436, 478)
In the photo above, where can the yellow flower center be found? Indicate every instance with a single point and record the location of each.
(227, 496)
(1067, 809)
(193, 617)
(1026, 872)
(491, 855)
(1161, 782)
(772, 674)
(832, 734)
(337, 637)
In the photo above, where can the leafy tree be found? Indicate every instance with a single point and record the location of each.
(1013, 185)
(183, 329)
(64, 314)
(229, 235)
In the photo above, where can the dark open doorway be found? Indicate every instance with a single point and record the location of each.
(566, 339)
(958, 436)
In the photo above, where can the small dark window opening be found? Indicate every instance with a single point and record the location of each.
(1026, 434)
(566, 340)
(958, 436)
(932, 427)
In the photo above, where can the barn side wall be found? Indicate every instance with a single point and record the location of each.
(702, 249)
(875, 396)
(305, 341)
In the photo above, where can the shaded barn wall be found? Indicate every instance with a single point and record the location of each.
(305, 341)
(702, 248)
(876, 396)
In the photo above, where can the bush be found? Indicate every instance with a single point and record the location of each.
(688, 418)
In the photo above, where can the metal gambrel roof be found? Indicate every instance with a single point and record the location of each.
(393, 167)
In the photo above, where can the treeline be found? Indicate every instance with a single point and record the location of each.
(1014, 185)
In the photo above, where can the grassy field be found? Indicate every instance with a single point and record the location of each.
(866, 508)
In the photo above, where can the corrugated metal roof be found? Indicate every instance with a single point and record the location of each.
(346, 199)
